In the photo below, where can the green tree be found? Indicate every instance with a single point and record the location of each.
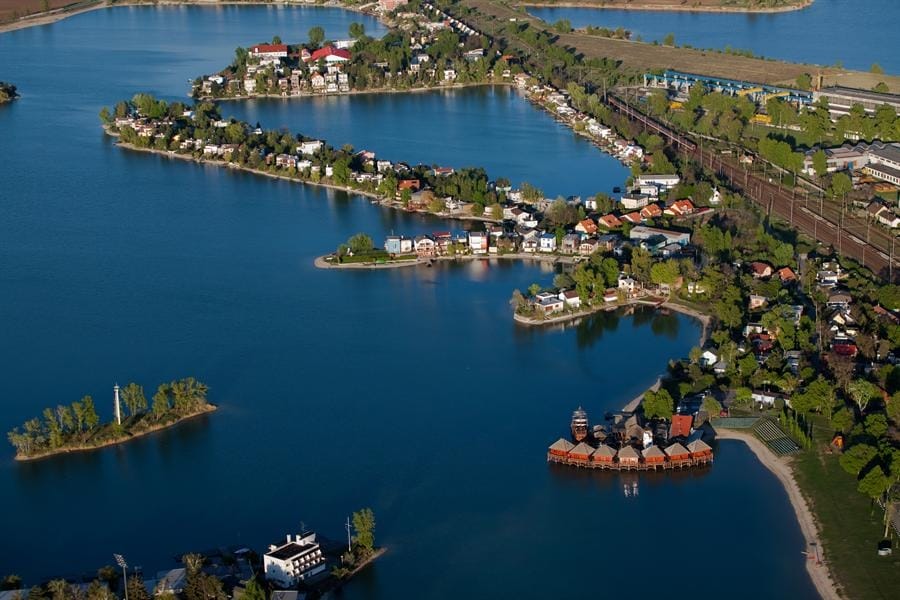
(360, 243)
(253, 590)
(876, 425)
(136, 588)
(11, 582)
(134, 399)
(861, 392)
(820, 162)
(804, 81)
(876, 68)
(364, 527)
(874, 483)
(669, 40)
(161, 401)
(316, 36)
(658, 405)
(857, 457)
(357, 30)
(841, 184)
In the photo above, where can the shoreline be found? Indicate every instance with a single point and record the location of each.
(58, 14)
(373, 91)
(820, 574)
(374, 197)
(121, 440)
(668, 7)
(321, 262)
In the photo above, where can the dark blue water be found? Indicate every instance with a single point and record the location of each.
(855, 33)
(513, 139)
(410, 391)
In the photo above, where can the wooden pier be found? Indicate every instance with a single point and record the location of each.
(667, 465)
(628, 458)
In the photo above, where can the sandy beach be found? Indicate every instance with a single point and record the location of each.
(819, 573)
(664, 6)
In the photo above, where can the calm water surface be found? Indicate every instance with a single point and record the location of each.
(410, 391)
(856, 33)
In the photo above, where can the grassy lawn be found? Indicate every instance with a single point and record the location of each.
(849, 527)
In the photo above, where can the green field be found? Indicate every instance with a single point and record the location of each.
(850, 526)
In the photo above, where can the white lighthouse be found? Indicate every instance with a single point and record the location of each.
(116, 405)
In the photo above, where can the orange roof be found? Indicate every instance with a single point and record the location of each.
(651, 210)
(610, 221)
(760, 268)
(409, 184)
(633, 217)
(681, 426)
(588, 225)
(786, 274)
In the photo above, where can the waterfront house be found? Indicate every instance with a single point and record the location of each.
(587, 227)
(588, 246)
(412, 185)
(581, 452)
(678, 453)
(478, 242)
(571, 298)
(330, 55)
(611, 295)
(571, 243)
(295, 561)
(699, 449)
(653, 456)
(550, 305)
(627, 283)
(609, 221)
(628, 456)
(548, 242)
(603, 455)
(425, 246)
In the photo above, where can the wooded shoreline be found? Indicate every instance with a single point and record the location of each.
(127, 437)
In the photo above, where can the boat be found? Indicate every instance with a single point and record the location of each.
(579, 424)
(617, 190)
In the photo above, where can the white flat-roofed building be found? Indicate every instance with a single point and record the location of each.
(298, 559)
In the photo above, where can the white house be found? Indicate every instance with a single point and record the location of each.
(708, 358)
(548, 242)
(298, 559)
(310, 147)
(571, 298)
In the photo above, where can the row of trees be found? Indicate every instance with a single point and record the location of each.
(78, 424)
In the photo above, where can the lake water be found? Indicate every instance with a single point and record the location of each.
(853, 32)
(410, 391)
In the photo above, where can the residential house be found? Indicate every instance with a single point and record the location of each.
(571, 298)
(761, 270)
(425, 246)
(708, 358)
(295, 561)
(839, 299)
(680, 208)
(786, 275)
(548, 242)
(588, 246)
(634, 201)
(756, 302)
(571, 242)
(478, 242)
(651, 211)
(587, 227)
(330, 55)
(609, 221)
(633, 218)
(628, 284)
(884, 215)
(269, 51)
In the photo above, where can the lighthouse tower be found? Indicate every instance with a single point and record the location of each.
(116, 405)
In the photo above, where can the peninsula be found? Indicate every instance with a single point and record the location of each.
(77, 427)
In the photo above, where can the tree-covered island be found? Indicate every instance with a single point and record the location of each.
(77, 426)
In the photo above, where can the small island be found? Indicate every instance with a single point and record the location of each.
(8, 92)
(77, 427)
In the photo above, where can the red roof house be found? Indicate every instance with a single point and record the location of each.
(681, 426)
(330, 54)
